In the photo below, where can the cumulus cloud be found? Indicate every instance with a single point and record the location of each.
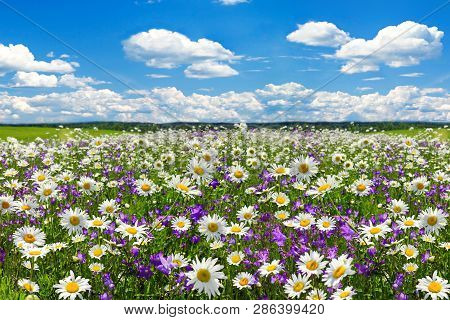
(320, 33)
(19, 58)
(161, 48)
(158, 75)
(72, 81)
(406, 44)
(209, 69)
(34, 79)
(402, 103)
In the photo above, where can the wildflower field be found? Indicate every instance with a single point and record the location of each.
(238, 213)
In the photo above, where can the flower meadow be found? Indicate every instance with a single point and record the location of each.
(215, 213)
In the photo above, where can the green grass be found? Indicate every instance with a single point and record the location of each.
(31, 133)
(442, 134)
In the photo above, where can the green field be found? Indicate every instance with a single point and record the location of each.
(31, 133)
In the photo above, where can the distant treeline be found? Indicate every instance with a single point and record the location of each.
(127, 126)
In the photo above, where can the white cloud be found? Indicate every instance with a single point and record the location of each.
(19, 58)
(373, 79)
(412, 75)
(158, 75)
(232, 2)
(321, 33)
(403, 45)
(364, 88)
(160, 48)
(402, 103)
(72, 81)
(34, 79)
(209, 69)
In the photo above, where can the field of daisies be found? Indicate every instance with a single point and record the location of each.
(290, 213)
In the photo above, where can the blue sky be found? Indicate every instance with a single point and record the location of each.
(260, 60)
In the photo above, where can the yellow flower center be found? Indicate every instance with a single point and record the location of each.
(339, 272)
(303, 168)
(361, 187)
(409, 252)
(298, 286)
(312, 265)
(96, 268)
(248, 215)
(236, 229)
(29, 238)
(34, 252)
(280, 170)
(97, 252)
(203, 275)
(324, 187)
(181, 224)
(282, 216)
(47, 192)
(72, 287)
(145, 187)
(420, 186)
(199, 170)
(344, 294)
(236, 258)
(243, 282)
(86, 186)
(411, 268)
(397, 209)
(97, 223)
(238, 174)
(28, 287)
(182, 187)
(375, 230)
(177, 262)
(409, 223)
(40, 178)
(280, 200)
(432, 220)
(271, 267)
(26, 207)
(74, 220)
(305, 222)
(131, 230)
(326, 224)
(435, 287)
(213, 227)
(207, 157)
(5, 205)
(109, 209)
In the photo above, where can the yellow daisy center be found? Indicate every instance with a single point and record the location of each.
(213, 227)
(181, 224)
(298, 286)
(248, 215)
(74, 220)
(361, 187)
(326, 224)
(420, 186)
(86, 186)
(5, 205)
(339, 272)
(305, 222)
(26, 207)
(271, 267)
(397, 209)
(375, 230)
(409, 252)
(72, 287)
(344, 294)
(280, 170)
(280, 200)
(182, 187)
(238, 174)
(312, 265)
(303, 168)
(236, 258)
(34, 252)
(145, 187)
(236, 229)
(97, 252)
(199, 170)
(409, 223)
(29, 238)
(324, 187)
(97, 223)
(435, 287)
(203, 275)
(28, 287)
(131, 230)
(207, 157)
(243, 282)
(40, 178)
(432, 220)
